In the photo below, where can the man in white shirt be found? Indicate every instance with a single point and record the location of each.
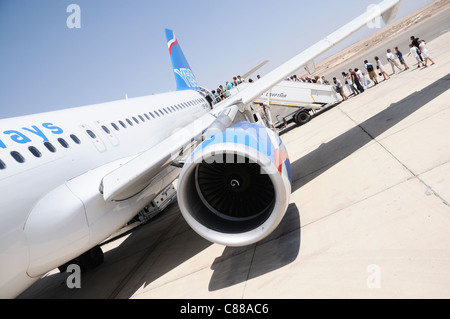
(391, 58)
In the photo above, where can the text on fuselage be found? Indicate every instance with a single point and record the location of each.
(27, 134)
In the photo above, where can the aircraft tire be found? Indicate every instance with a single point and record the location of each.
(91, 259)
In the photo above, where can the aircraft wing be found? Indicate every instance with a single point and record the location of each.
(387, 9)
(133, 176)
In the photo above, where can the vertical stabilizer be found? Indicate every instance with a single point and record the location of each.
(183, 74)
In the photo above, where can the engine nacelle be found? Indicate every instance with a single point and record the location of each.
(234, 189)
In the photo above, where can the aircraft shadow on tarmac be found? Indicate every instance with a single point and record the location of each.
(234, 266)
(240, 264)
(329, 154)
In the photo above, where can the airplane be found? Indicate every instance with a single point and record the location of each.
(71, 178)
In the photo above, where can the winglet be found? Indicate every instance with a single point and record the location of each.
(183, 74)
(389, 15)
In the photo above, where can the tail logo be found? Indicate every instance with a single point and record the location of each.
(171, 43)
(187, 76)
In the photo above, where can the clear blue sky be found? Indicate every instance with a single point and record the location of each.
(121, 47)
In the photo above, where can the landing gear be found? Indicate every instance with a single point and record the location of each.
(89, 260)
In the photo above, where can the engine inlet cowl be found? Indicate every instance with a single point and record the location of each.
(234, 193)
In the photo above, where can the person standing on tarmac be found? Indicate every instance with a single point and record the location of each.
(423, 48)
(400, 57)
(356, 80)
(372, 75)
(339, 88)
(380, 67)
(415, 42)
(391, 58)
(415, 52)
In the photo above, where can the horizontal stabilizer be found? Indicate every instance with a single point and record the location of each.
(256, 68)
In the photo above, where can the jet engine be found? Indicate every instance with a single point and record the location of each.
(234, 188)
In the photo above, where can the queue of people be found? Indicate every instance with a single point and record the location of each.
(223, 92)
(357, 82)
(316, 79)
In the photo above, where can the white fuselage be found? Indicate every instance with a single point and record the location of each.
(70, 151)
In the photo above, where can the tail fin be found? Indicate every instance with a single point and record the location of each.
(183, 74)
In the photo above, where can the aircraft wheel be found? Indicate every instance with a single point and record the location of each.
(91, 259)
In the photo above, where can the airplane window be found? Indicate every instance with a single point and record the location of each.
(129, 122)
(176, 106)
(35, 151)
(148, 117)
(106, 129)
(63, 142)
(2, 165)
(123, 124)
(152, 114)
(161, 112)
(91, 134)
(142, 119)
(75, 139)
(50, 146)
(115, 126)
(165, 110)
(173, 109)
(136, 120)
(18, 157)
(169, 108)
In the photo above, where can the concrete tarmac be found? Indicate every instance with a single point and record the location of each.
(369, 215)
